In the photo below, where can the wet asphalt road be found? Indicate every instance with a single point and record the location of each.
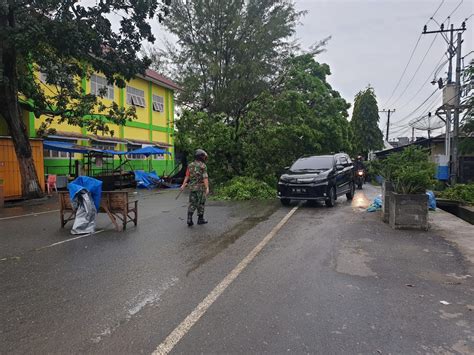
(331, 281)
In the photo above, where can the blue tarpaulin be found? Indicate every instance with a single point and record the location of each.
(376, 205)
(74, 148)
(147, 180)
(65, 147)
(92, 185)
(431, 200)
(148, 151)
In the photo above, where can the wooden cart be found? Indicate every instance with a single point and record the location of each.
(115, 203)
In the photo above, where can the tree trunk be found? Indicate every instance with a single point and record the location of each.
(10, 110)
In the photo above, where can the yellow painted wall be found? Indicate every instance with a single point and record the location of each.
(63, 127)
(115, 128)
(159, 136)
(142, 113)
(161, 119)
(136, 133)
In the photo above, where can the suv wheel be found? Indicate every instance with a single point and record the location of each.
(350, 194)
(331, 200)
(285, 201)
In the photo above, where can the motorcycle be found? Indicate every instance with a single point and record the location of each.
(360, 178)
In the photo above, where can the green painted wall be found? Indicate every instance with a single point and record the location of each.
(61, 166)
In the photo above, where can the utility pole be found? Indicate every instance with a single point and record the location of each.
(451, 51)
(388, 120)
(457, 109)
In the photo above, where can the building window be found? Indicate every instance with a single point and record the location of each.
(131, 147)
(158, 157)
(54, 154)
(158, 103)
(99, 85)
(135, 97)
(104, 146)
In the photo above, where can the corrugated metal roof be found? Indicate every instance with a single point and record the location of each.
(151, 74)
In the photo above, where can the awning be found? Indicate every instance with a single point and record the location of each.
(74, 148)
(65, 147)
(147, 151)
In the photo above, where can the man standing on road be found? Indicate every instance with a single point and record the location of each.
(196, 175)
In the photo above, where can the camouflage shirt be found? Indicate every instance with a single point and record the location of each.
(197, 172)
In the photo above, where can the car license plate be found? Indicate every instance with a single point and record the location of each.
(299, 191)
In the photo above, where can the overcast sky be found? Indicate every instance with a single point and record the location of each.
(371, 43)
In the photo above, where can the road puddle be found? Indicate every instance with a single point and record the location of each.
(360, 201)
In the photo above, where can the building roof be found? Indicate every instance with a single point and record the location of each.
(161, 80)
(420, 142)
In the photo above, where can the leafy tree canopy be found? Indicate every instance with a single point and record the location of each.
(365, 118)
(301, 115)
(66, 41)
(228, 51)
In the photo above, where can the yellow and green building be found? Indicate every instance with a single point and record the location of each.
(152, 95)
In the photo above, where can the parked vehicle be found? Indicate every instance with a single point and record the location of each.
(360, 178)
(318, 178)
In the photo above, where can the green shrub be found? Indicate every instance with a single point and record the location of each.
(461, 192)
(244, 188)
(410, 170)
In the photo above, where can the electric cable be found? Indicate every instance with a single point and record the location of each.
(416, 71)
(411, 55)
(437, 68)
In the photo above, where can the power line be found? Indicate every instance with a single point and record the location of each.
(405, 69)
(417, 108)
(411, 56)
(416, 71)
(457, 7)
(435, 70)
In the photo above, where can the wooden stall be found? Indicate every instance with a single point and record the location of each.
(10, 171)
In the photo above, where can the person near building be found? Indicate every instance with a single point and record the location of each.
(197, 180)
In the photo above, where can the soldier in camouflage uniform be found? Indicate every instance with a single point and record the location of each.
(197, 179)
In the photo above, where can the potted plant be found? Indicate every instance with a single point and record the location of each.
(410, 179)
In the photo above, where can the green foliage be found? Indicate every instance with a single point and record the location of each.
(228, 50)
(410, 170)
(463, 193)
(365, 119)
(209, 132)
(245, 188)
(66, 41)
(303, 115)
(466, 144)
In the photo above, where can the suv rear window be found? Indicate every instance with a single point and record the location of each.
(313, 163)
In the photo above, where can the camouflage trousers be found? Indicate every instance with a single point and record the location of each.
(197, 199)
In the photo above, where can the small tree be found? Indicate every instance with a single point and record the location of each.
(66, 41)
(365, 119)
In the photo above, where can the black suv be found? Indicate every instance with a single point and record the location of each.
(320, 178)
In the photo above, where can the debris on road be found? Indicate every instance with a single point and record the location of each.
(376, 205)
(444, 302)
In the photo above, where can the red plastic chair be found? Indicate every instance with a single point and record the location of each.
(51, 183)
